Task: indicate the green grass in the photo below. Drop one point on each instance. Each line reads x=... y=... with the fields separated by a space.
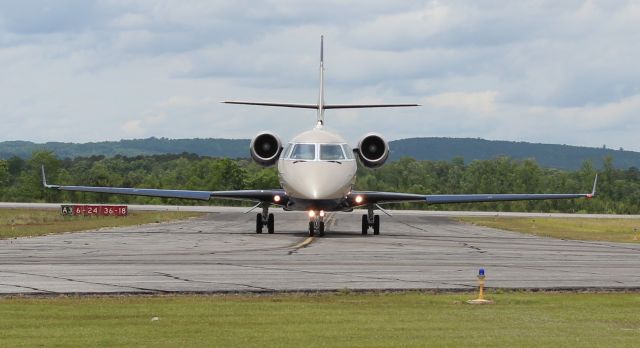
x=29 y=222
x=612 y=230
x=331 y=320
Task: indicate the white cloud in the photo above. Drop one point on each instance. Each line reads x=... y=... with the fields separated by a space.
x=543 y=71
x=133 y=128
x=483 y=102
x=406 y=29
x=130 y=21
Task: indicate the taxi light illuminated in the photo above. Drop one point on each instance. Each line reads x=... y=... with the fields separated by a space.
x=321 y=213
x=312 y=213
x=276 y=198
x=359 y=199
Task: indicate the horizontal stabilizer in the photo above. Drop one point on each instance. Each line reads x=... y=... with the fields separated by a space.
x=362 y=106
x=282 y=105
x=326 y=106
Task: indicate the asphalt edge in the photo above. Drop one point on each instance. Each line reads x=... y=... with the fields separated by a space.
x=310 y=292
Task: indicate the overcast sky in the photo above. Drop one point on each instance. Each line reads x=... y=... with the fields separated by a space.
x=563 y=72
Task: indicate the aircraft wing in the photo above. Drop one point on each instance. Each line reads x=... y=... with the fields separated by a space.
x=372 y=197
x=244 y=195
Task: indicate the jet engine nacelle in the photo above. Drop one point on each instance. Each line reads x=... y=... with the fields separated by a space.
x=266 y=148
x=372 y=150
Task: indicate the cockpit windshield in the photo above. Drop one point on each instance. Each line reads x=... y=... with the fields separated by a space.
x=303 y=152
x=325 y=152
x=331 y=152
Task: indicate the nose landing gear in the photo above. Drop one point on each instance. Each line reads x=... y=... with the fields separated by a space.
x=265 y=219
x=370 y=220
x=316 y=223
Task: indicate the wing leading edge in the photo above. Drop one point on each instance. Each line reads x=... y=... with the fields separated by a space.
x=244 y=195
x=359 y=198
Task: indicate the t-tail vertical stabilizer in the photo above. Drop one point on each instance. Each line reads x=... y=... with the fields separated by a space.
x=320 y=106
x=321 y=92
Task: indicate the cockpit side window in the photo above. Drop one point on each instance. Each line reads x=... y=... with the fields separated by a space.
x=287 y=150
x=348 y=151
x=331 y=152
x=303 y=152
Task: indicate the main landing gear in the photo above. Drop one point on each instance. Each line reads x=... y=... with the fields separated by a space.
x=316 y=223
x=265 y=219
x=370 y=220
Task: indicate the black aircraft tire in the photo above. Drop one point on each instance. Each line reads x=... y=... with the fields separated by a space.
x=321 y=232
x=376 y=225
x=271 y=222
x=365 y=225
x=259 y=223
x=311 y=228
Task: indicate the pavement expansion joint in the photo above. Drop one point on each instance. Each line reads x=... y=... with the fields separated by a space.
x=475 y=248
x=83 y=281
x=171 y=276
x=338 y=274
x=29 y=288
x=167 y=275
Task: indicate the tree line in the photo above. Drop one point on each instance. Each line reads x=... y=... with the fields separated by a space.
x=618 y=189
x=431 y=149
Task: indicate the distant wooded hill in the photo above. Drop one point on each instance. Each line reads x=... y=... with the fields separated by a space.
x=547 y=155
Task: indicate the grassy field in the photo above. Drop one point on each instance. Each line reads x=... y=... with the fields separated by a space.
x=30 y=222
x=613 y=230
x=330 y=320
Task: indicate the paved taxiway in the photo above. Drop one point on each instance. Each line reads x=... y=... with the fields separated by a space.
x=220 y=253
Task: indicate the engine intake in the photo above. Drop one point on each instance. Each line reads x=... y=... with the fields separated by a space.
x=265 y=148
x=373 y=150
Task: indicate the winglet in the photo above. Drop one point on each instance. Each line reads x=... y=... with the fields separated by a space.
x=593 y=191
x=44 y=180
x=44 y=177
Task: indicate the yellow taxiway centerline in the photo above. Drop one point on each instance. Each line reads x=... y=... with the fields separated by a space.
x=304 y=243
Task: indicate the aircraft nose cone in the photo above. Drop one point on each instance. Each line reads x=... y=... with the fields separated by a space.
x=321 y=184
x=318 y=180
x=326 y=188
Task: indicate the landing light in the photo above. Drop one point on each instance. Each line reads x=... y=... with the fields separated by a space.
x=321 y=213
x=312 y=213
x=276 y=198
x=359 y=199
